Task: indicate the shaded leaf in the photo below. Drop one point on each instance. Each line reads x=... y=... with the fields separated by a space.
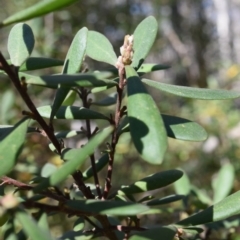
x=71 y=235
x=100 y=49
x=36 y=10
x=99 y=165
x=226 y=208
x=68 y=134
x=144 y=37
x=69 y=80
x=202 y=195
x=30 y=227
x=166 y=233
x=154 y=181
x=190 y=92
x=165 y=200
x=118 y=208
x=71 y=112
x=75 y=158
x=223 y=182
x=11 y=145
x=20 y=43
x=107 y=101
x=79 y=224
x=146 y=125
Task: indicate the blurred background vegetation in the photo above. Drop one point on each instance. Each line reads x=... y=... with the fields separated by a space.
x=199 y=39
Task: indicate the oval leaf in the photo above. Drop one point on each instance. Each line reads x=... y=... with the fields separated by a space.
x=183 y=129
x=144 y=37
x=73 y=80
x=79 y=224
x=30 y=227
x=20 y=43
x=183 y=185
x=11 y=143
x=100 y=49
x=75 y=158
x=166 y=233
x=223 y=182
x=146 y=125
x=190 y=92
x=154 y=181
x=71 y=112
x=118 y=208
x=36 y=10
x=226 y=208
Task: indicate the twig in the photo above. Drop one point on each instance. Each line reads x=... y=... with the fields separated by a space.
x=12 y=72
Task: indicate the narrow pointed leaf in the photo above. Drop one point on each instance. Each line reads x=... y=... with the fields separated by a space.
x=100 y=49
x=155 y=181
x=226 y=208
x=70 y=98
x=20 y=43
x=11 y=144
x=72 y=80
x=118 y=208
x=166 y=233
x=99 y=165
x=223 y=183
x=107 y=101
x=30 y=227
x=146 y=124
x=144 y=37
x=183 y=129
x=36 y=10
x=71 y=112
x=151 y=67
x=165 y=200
x=75 y=158
x=183 y=185
x=72 y=235
x=190 y=92
x=68 y=134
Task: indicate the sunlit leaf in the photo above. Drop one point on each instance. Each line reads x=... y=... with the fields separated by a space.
x=222 y=184
x=190 y=92
x=151 y=67
x=118 y=208
x=71 y=112
x=144 y=37
x=100 y=49
x=183 y=185
x=165 y=200
x=11 y=145
x=36 y=10
x=20 y=43
x=166 y=233
x=68 y=134
x=146 y=124
x=154 y=181
x=75 y=158
x=30 y=227
x=226 y=208
x=79 y=224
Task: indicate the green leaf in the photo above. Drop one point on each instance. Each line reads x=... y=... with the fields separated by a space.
x=100 y=49
x=68 y=134
x=30 y=227
x=190 y=92
x=226 y=208
x=79 y=224
x=144 y=37
x=107 y=101
x=146 y=124
x=70 y=98
x=151 y=67
x=71 y=235
x=165 y=200
x=99 y=165
x=72 y=65
x=166 y=233
x=154 y=181
x=36 y=10
x=35 y=63
x=118 y=208
x=75 y=158
x=183 y=129
x=20 y=43
x=72 y=80
x=183 y=185
x=223 y=182
x=71 y=112
x=48 y=169
x=11 y=145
